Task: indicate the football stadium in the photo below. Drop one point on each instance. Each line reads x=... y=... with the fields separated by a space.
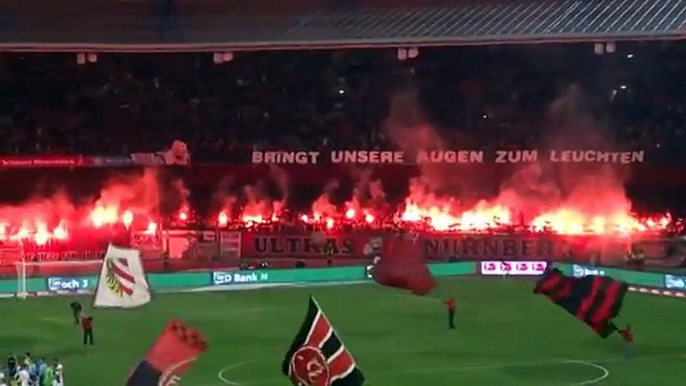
x=343 y=193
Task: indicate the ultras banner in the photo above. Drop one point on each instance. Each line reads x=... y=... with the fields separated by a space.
x=447 y=247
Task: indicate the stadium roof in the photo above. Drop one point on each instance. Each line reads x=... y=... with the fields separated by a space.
x=133 y=27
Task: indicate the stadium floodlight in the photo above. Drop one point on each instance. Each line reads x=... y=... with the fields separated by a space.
x=227 y=57
x=610 y=47
x=599 y=48
x=413 y=53
x=222 y=57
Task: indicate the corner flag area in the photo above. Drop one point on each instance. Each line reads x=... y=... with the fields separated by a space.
x=505 y=336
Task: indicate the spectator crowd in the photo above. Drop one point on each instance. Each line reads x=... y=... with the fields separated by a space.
x=475 y=97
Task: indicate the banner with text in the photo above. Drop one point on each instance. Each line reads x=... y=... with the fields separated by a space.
x=274 y=245
x=441 y=247
x=129 y=160
x=399 y=157
x=450 y=247
x=513 y=268
x=521 y=247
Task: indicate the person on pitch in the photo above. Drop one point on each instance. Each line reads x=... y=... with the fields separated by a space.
x=628 y=338
x=12 y=364
x=48 y=377
x=451 y=305
x=76 y=309
x=23 y=378
x=58 y=378
x=87 y=326
x=54 y=375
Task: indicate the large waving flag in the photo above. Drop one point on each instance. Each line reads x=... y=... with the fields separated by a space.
x=317 y=357
x=402 y=266
x=595 y=300
x=169 y=357
x=122 y=281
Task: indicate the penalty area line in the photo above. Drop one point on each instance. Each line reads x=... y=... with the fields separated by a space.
x=222 y=377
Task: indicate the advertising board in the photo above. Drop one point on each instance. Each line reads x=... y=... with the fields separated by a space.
x=645 y=279
x=513 y=268
x=70 y=284
x=239 y=277
x=579 y=271
x=675 y=282
x=198 y=280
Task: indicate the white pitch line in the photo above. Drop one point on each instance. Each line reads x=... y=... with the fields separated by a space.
x=221 y=372
x=560 y=361
x=605 y=371
x=168 y=375
x=480 y=368
x=453 y=369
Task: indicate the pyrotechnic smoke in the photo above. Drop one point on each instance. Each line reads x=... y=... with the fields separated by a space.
x=568 y=198
x=223 y=199
x=323 y=206
x=376 y=191
x=283 y=182
x=130 y=191
x=259 y=206
x=570 y=194
x=366 y=194
x=407 y=127
x=49 y=211
x=180 y=188
x=252 y=203
x=44 y=218
x=529 y=191
x=440 y=187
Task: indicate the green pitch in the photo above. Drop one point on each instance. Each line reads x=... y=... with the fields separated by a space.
x=505 y=336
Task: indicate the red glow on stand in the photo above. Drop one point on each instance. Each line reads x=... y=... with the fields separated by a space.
x=222 y=219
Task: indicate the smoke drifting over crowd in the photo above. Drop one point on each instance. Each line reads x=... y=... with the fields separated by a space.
x=538 y=197
x=126 y=201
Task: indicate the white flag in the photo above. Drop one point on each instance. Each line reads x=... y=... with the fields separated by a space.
x=122 y=281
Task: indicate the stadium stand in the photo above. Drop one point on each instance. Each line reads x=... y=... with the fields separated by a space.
x=52 y=105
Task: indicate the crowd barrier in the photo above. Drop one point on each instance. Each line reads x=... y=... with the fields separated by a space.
x=664 y=284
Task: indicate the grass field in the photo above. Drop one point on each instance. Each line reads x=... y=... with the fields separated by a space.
x=505 y=336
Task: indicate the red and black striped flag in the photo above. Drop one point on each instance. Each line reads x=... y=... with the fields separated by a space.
x=595 y=300
x=317 y=356
x=169 y=357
